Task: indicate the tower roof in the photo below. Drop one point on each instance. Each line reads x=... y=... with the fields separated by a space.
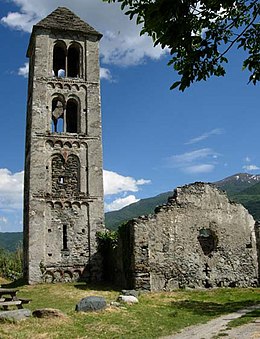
x=64 y=19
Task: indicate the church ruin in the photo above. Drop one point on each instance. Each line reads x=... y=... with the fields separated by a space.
x=63 y=195
x=198 y=239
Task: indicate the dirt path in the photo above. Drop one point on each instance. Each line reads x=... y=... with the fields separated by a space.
x=217 y=328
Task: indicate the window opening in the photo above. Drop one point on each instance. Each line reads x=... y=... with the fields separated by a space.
x=72 y=116
x=61 y=180
x=65 y=237
x=208 y=240
x=57 y=116
x=59 y=60
x=73 y=61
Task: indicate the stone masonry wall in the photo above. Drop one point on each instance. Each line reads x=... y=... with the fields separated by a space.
x=198 y=239
x=63 y=194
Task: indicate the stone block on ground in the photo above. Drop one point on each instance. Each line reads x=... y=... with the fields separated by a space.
x=15 y=315
x=128 y=299
x=93 y=303
x=131 y=292
x=48 y=313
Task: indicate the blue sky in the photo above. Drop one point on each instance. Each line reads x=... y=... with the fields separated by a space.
x=154 y=139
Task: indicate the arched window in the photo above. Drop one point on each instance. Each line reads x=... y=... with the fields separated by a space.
x=74 y=61
x=57 y=115
x=72 y=116
x=59 y=59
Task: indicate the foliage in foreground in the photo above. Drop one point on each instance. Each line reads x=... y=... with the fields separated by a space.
x=199 y=34
x=157 y=314
x=11 y=264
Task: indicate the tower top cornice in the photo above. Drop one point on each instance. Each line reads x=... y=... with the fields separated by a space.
x=63 y=18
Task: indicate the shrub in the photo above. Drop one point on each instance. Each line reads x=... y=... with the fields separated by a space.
x=11 y=264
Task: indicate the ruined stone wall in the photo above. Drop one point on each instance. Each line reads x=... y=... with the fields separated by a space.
x=198 y=239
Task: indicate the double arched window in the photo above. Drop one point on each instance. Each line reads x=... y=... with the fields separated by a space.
x=65 y=115
x=67 y=61
x=65 y=175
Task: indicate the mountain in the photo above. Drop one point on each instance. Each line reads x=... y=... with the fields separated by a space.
x=241 y=187
x=142 y=207
x=238 y=182
x=9 y=241
x=245 y=189
x=251 y=190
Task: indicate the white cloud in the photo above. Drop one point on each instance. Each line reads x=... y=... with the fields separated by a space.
x=24 y=70
x=121 y=43
x=19 y=21
x=115 y=183
x=202 y=168
x=206 y=135
x=11 y=189
x=251 y=168
x=189 y=157
x=3 y=220
x=247 y=159
x=194 y=162
x=105 y=74
x=119 y=203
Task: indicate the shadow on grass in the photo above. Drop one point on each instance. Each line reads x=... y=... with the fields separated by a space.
x=253 y=314
x=210 y=308
x=96 y=286
x=14 y=284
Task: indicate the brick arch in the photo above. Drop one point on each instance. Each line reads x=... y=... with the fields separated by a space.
x=75 y=87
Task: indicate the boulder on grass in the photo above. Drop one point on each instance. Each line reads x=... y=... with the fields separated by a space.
x=48 y=313
x=15 y=315
x=90 y=304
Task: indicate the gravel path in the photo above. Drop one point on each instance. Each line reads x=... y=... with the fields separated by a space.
x=217 y=328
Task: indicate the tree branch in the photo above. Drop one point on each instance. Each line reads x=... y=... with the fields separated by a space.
x=238 y=36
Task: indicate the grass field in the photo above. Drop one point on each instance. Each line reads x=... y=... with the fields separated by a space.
x=157 y=314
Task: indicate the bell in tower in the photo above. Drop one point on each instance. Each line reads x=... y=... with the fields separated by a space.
x=63 y=194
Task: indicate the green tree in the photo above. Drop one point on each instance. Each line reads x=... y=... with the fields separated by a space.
x=199 y=34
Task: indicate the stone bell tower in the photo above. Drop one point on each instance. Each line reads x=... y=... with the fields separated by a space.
x=63 y=194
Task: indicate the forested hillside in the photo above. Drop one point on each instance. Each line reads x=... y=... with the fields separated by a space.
x=241 y=187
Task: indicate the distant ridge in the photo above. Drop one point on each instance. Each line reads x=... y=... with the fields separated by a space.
x=142 y=207
x=10 y=240
x=238 y=182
